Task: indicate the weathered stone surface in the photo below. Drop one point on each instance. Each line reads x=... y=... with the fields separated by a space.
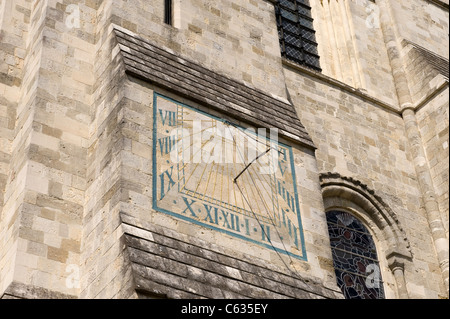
x=165 y=69
x=76 y=143
x=18 y=290
x=162 y=263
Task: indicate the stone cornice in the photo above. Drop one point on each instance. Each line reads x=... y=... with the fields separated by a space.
x=345 y=87
x=443 y=83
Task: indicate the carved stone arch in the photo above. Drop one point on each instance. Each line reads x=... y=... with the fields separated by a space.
x=348 y=194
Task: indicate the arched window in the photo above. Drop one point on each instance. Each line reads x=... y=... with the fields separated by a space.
x=354 y=257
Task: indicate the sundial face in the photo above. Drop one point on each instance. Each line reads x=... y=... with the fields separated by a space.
x=212 y=173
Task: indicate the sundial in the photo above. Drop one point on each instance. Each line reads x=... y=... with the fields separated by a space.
x=218 y=175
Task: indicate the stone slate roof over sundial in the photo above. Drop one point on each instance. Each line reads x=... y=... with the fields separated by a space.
x=188 y=79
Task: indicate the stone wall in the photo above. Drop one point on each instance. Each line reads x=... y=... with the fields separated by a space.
x=351 y=46
x=45 y=194
x=121 y=174
x=433 y=123
x=13 y=92
x=359 y=139
x=235 y=38
x=136 y=195
x=424 y=23
x=76 y=144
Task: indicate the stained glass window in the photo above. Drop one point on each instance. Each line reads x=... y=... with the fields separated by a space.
x=355 y=257
x=296 y=32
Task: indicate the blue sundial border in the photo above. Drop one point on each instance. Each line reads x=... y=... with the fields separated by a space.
x=303 y=255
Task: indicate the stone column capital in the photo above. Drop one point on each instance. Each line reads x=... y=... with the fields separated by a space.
x=396 y=261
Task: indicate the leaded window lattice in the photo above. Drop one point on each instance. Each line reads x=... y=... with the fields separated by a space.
x=354 y=257
x=296 y=33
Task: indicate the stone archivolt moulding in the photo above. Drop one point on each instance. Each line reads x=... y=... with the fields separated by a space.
x=349 y=194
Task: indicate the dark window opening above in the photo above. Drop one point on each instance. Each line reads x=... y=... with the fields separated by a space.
x=296 y=33
x=168 y=11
